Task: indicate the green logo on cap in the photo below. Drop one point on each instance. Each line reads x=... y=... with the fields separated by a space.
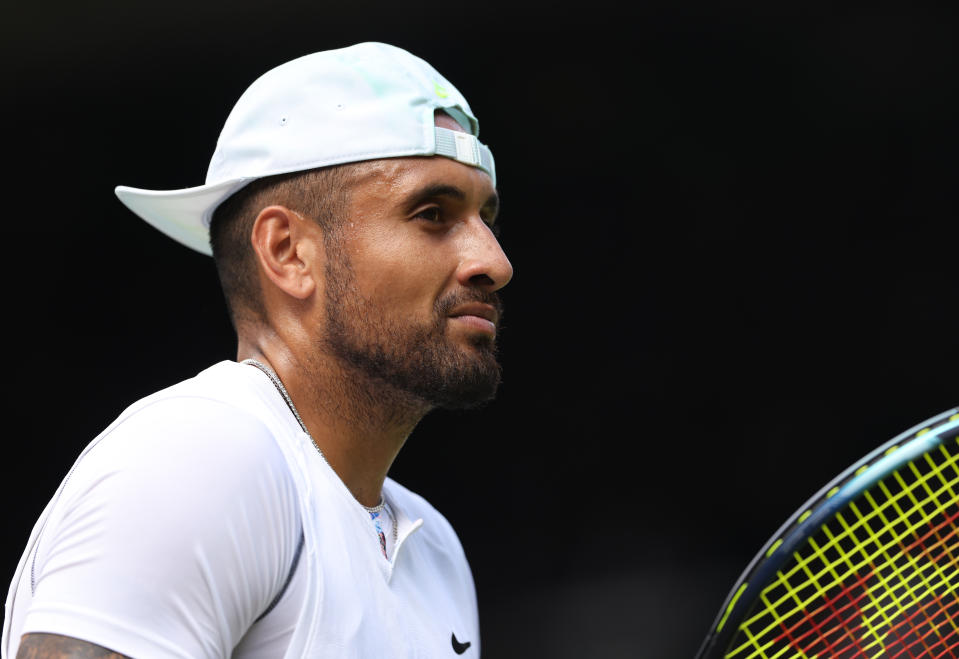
x=440 y=90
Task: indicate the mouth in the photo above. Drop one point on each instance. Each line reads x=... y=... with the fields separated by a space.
x=477 y=316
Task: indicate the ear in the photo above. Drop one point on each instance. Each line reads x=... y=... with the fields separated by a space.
x=287 y=248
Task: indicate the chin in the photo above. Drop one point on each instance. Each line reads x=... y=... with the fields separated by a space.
x=468 y=387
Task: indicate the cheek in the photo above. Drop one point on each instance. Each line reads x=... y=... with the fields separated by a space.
x=404 y=276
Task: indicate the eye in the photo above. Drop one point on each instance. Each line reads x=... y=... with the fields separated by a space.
x=431 y=214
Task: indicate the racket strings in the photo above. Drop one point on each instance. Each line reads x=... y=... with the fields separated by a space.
x=878 y=580
x=886 y=582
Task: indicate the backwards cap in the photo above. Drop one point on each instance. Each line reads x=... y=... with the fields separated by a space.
x=363 y=102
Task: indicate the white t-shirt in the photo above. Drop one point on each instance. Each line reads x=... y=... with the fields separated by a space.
x=204 y=523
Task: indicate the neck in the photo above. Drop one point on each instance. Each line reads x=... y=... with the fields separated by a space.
x=358 y=424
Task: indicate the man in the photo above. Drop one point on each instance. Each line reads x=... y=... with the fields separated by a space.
x=247 y=512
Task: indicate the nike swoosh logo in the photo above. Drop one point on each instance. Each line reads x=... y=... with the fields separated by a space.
x=459 y=648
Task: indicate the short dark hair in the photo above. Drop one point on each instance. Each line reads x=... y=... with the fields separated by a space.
x=319 y=194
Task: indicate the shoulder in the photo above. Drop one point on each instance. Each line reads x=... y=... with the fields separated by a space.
x=204 y=418
x=183 y=420
x=185 y=501
x=222 y=385
x=185 y=457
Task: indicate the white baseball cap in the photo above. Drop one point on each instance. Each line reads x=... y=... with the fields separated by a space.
x=364 y=102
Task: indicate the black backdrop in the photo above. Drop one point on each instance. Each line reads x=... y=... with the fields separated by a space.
x=733 y=229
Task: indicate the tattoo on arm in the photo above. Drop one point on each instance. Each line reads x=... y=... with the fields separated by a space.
x=54 y=646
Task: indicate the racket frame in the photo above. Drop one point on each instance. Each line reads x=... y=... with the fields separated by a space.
x=807 y=520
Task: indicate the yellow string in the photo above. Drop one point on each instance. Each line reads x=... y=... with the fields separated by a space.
x=866 y=539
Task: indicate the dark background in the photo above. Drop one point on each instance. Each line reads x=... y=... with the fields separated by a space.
x=734 y=232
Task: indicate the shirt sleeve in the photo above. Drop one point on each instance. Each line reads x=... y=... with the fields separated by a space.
x=171 y=536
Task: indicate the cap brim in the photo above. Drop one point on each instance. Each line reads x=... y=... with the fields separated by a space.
x=184 y=215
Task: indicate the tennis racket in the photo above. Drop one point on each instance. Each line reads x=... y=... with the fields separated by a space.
x=868 y=567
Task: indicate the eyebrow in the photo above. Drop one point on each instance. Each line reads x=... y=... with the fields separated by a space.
x=435 y=190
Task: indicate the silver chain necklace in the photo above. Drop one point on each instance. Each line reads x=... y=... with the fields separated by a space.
x=275 y=379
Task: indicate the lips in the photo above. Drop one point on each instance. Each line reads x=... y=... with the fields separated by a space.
x=477 y=309
x=477 y=318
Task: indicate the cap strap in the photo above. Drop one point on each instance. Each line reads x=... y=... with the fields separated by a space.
x=466 y=149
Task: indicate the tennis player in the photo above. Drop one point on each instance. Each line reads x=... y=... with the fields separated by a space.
x=247 y=512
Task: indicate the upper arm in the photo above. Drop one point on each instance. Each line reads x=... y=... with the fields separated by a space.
x=54 y=646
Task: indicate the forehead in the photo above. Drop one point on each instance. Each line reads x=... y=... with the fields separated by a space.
x=395 y=178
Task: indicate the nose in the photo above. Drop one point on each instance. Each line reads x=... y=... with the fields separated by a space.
x=484 y=263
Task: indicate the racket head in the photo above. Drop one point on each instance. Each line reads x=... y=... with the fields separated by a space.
x=828 y=543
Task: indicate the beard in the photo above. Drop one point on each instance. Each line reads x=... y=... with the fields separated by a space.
x=419 y=361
